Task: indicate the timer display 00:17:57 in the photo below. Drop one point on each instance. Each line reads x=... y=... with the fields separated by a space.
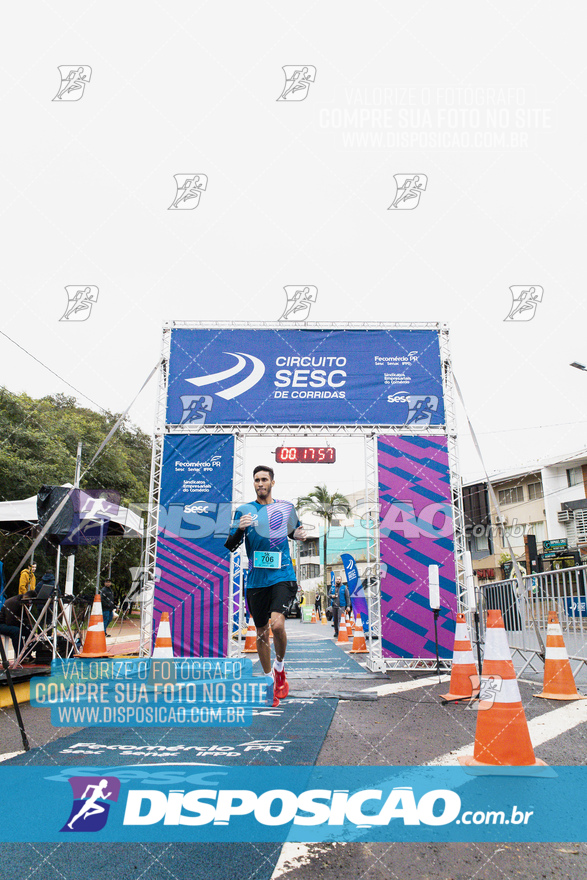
x=305 y=454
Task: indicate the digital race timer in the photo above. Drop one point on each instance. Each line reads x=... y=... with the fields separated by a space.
x=305 y=454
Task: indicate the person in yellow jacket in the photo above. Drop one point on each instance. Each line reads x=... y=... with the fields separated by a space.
x=27 y=579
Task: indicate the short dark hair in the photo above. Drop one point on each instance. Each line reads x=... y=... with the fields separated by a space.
x=263 y=467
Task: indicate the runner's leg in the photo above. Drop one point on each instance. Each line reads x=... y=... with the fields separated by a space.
x=264 y=648
x=279 y=635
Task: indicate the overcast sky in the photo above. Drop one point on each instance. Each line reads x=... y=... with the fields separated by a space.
x=298 y=193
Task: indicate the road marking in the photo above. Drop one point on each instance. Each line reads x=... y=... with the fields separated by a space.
x=292 y=856
x=399 y=687
x=7 y=755
x=542 y=729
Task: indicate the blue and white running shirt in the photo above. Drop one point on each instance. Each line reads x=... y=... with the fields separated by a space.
x=272 y=523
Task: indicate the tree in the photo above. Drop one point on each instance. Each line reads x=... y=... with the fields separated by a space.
x=323 y=504
x=38 y=447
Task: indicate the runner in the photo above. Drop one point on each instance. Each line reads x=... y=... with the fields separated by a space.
x=266 y=524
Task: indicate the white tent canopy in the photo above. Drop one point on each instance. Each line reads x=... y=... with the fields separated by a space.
x=17 y=515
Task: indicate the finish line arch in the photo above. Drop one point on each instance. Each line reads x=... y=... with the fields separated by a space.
x=390 y=384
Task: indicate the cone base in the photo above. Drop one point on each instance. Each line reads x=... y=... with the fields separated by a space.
x=249 y=650
x=449 y=697
x=92 y=654
x=359 y=651
x=504 y=769
x=567 y=697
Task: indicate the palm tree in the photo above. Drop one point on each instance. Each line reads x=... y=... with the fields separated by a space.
x=323 y=504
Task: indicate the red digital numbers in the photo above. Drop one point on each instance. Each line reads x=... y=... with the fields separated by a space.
x=306 y=454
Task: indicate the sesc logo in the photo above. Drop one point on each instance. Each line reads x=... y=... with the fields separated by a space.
x=398 y=398
x=196 y=507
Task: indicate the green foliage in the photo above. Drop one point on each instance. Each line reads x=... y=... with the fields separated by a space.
x=326 y=505
x=38 y=446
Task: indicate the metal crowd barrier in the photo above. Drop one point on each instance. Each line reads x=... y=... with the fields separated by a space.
x=526 y=616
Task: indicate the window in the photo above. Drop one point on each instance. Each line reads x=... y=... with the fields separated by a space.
x=309 y=571
x=511 y=496
x=574 y=476
x=309 y=548
x=535 y=491
x=537 y=529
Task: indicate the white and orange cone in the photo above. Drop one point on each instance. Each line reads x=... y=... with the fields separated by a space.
x=359 y=643
x=251 y=640
x=349 y=628
x=559 y=683
x=502 y=737
x=95 y=640
x=163 y=645
x=314 y=619
x=464 y=677
x=343 y=636
x=324 y=620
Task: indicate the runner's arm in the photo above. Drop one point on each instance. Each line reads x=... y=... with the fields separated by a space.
x=236 y=535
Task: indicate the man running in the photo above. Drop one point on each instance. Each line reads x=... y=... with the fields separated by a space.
x=266 y=524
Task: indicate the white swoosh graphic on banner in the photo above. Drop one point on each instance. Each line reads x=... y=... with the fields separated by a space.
x=256 y=375
x=241 y=387
x=225 y=374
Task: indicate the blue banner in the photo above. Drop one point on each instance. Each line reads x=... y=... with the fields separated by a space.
x=174 y=802
x=192 y=561
x=305 y=376
x=355 y=588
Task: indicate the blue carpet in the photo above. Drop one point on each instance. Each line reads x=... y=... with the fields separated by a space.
x=291 y=734
x=322 y=656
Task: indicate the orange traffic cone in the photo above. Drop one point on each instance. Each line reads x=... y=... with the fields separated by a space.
x=343 y=636
x=559 y=683
x=502 y=737
x=464 y=678
x=163 y=646
x=251 y=640
x=359 y=643
x=349 y=628
x=95 y=641
x=314 y=620
x=324 y=620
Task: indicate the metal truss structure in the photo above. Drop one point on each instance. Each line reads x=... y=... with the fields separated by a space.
x=375 y=660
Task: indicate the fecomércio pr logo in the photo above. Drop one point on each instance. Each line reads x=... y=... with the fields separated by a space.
x=92 y=798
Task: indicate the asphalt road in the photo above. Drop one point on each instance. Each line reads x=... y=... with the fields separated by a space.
x=412 y=727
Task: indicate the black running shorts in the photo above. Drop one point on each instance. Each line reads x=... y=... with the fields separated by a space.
x=263 y=600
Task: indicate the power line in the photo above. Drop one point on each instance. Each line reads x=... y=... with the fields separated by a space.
x=61 y=379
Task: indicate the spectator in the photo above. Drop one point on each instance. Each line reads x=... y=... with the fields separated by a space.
x=27 y=580
x=108 y=604
x=339 y=598
x=11 y=623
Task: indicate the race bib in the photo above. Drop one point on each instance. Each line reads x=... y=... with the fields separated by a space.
x=266 y=559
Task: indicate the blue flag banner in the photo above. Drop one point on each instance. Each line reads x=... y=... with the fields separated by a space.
x=355 y=587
